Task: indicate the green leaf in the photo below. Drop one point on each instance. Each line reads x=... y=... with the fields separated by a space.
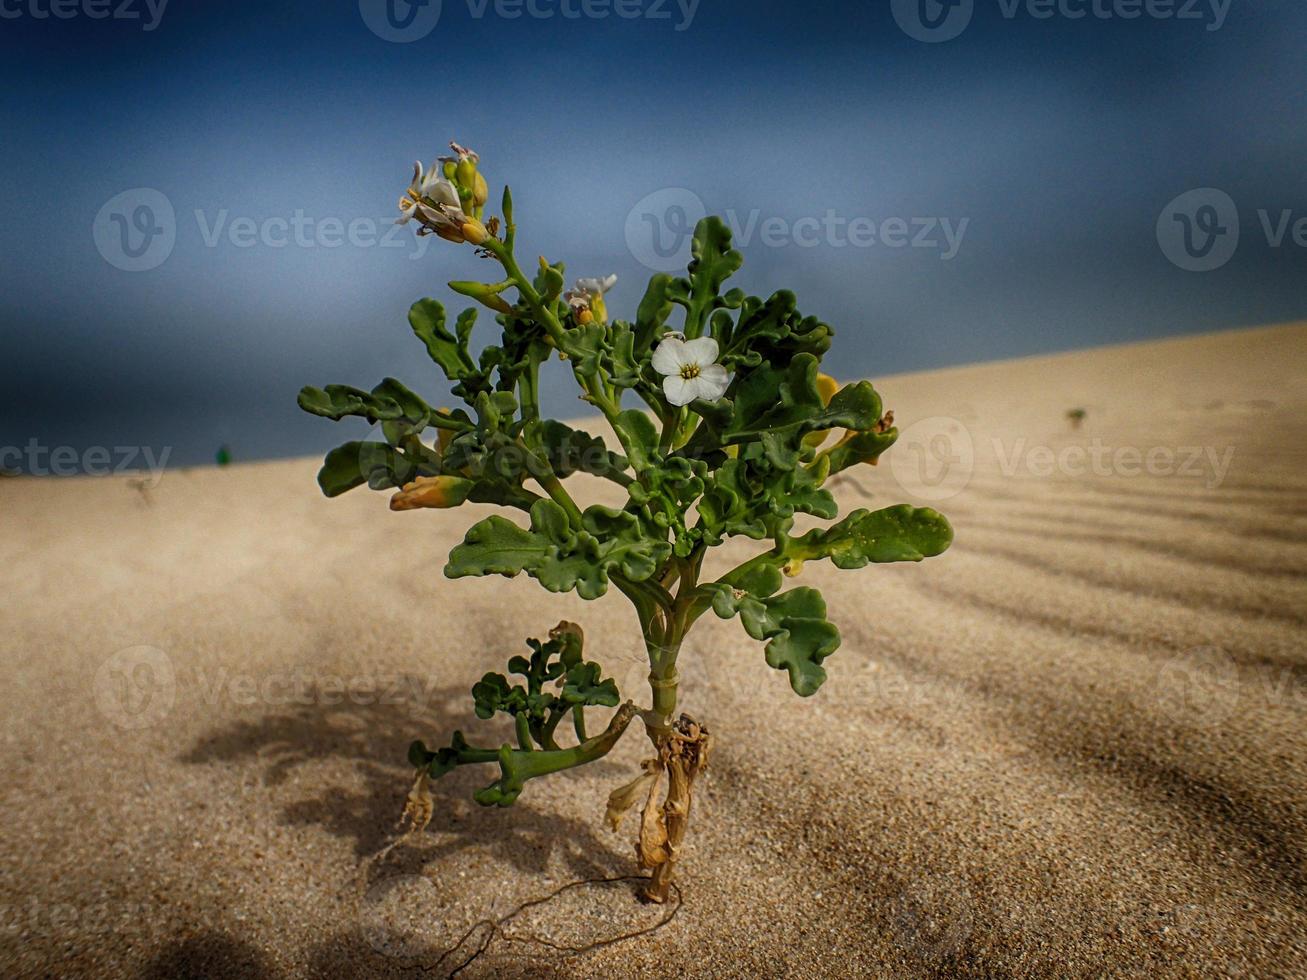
x=621 y=542
x=623 y=363
x=427 y=318
x=773 y=331
x=861 y=447
x=374 y=463
x=733 y=503
x=794 y=624
x=571 y=451
x=583 y=686
x=418 y=756
x=575 y=561
x=493 y=693
x=900 y=533
x=497 y=546
x=652 y=313
x=549 y=282
x=584 y=346
x=336 y=402
x=713 y=261
x=415 y=413
x=778 y=407
x=641 y=437
x=560 y=557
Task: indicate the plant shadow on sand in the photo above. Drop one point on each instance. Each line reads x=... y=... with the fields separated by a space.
x=374 y=737
x=372 y=740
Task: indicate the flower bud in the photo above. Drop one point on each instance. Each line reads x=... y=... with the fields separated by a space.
x=475 y=232
x=826 y=388
x=483 y=293
x=465 y=173
x=480 y=191
x=438 y=492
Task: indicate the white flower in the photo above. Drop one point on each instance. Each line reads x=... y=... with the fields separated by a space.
x=586 y=291
x=690 y=369
x=433 y=200
x=463 y=154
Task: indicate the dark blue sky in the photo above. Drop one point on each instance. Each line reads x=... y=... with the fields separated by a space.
x=1050 y=146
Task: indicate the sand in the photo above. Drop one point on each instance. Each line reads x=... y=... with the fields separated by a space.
x=1072 y=747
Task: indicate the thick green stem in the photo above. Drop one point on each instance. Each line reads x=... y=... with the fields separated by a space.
x=663 y=684
x=558 y=493
x=596 y=389
x=519 y=765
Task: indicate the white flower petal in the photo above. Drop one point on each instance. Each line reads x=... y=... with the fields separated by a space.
x=701 y=351
x=679 y=391
x=704 y=389
x=444 y=192
x=429 y=180
x=669 y=355
x=713 y=381
x=609 y=282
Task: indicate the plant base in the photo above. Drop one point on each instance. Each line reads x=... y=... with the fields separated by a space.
x=682 y=755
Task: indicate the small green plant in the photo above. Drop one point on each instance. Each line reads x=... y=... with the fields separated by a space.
x=735 y=437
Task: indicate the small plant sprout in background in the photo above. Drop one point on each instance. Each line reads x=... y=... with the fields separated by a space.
x=736 y=433
x=1076 y=417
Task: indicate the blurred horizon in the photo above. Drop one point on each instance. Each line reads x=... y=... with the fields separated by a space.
x=1031 y=185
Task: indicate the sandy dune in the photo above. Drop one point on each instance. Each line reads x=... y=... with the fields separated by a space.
x=1076 y=745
